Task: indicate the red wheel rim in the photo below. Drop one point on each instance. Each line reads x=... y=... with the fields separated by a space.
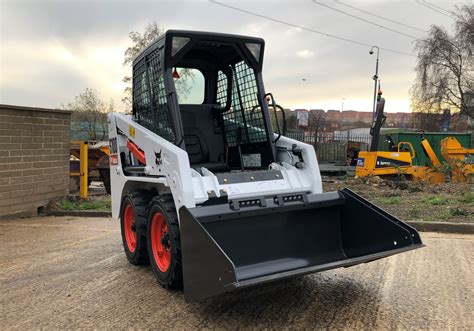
x=129 y=227
x=160 y=242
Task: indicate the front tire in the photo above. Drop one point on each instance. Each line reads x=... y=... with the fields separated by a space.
x=133 y=219
x=164 y=247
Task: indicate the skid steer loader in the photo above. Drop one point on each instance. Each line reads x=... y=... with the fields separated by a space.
x=211 y=196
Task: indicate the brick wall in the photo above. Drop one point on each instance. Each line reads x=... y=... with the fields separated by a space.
x=34 y=158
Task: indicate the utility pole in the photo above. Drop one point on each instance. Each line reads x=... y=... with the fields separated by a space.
x=375 y=78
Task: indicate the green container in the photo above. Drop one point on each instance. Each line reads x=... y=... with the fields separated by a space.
x=415 y=139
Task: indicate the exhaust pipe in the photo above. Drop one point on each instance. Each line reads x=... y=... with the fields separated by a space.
x=246 y=243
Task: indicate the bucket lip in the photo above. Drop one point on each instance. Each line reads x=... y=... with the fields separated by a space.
x=322 y=267
x=220 y=212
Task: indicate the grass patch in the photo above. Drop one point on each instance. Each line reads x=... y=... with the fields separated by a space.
x=66 y=204
x=389 y=200
x=458 y=212
x=467 y=198
x=414 y=212
x=435 y=201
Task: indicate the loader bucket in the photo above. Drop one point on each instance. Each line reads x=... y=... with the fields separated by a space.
x=245 y=243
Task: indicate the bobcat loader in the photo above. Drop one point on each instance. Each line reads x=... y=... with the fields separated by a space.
x=211 y=196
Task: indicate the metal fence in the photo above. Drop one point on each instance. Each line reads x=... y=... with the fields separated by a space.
x=329 y=137
x=334 y=147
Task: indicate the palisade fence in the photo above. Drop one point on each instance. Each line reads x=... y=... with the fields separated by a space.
x=334 y=147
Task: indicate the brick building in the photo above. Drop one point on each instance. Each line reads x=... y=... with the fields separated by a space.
x=34 y=158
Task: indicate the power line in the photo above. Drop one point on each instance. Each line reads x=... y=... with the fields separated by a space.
x=306 y=29
x=379 y=16
x=435 y=6
x=364 y=20
x=432 y=8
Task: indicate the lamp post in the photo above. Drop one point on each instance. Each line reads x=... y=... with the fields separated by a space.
x=340 y=118
x=375 y=78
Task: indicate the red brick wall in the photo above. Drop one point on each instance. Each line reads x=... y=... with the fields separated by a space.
x=34 y=158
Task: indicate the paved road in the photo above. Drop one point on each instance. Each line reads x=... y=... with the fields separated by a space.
x=66 y=272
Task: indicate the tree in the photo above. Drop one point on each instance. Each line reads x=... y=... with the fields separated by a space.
x=139 y=42
x=445 y=66
x=90 y=114
x=316 y=123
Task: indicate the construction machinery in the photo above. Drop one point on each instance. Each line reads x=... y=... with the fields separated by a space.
x=398 y=161
x=89 y=162
x=211 y=196
x=460 y=159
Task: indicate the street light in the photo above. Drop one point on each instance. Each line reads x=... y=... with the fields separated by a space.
x=340 y=118
x=375 y=78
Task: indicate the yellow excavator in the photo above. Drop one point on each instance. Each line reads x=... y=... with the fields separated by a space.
x=460 y=159
x=399 y=160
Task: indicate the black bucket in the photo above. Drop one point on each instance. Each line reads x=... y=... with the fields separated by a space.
x=244 y=243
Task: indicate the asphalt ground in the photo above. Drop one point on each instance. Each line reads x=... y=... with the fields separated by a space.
x=71 y=272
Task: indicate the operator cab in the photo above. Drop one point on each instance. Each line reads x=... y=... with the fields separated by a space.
x=204 y=92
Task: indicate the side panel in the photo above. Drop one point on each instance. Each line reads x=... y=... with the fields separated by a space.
x=167 y=163
x=367 y=229
x=207 y=270
x=311 y=169
x=382 y=163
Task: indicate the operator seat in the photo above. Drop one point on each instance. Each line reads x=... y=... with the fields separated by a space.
x=204 y=146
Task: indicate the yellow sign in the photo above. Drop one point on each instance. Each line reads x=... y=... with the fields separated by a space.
x=131 y=131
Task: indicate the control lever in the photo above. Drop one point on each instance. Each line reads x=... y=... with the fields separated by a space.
x=298 y=151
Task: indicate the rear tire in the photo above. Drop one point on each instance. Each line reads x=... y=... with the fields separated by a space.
x=133 y=218
x=164 y=246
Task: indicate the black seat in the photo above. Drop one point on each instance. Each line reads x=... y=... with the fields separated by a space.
x=205 y=148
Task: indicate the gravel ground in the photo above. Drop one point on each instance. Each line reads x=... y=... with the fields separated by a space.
x=66 y=272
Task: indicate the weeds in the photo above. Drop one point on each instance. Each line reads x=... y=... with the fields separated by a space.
x=467 y=198
x=389 y=200
x=66 y=204
x=435 y=201
x=414 y=213
x=458 y=212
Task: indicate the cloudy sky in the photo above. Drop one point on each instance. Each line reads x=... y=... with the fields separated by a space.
x=52 y=50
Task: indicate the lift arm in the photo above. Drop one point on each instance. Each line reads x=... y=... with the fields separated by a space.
x=377 y=125
x=425 y=144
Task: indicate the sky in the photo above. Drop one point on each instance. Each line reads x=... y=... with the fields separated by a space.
x=50 y=51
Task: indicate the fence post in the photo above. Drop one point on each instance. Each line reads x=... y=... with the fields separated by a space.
x=83 y=165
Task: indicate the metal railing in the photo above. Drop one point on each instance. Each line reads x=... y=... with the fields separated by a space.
x=334 y=147
x=314 y=139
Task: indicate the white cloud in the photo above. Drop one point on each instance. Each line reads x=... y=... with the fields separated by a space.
x=87 y=64
x=292 y=31
x=305 y=54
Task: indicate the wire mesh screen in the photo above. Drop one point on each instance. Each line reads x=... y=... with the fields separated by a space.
x=243 y=122
x=149 y=97
x=221 y=88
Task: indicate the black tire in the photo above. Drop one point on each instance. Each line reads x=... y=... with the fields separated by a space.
x=138 y=200
x=172 y=277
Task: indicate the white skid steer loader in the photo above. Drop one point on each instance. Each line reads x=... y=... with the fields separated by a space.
x=212 y=197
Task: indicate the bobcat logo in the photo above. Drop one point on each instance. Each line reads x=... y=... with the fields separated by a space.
x=158 y=160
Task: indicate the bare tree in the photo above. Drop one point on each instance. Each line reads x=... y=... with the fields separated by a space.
x=316 y=122
x=445 y=66
x=90 y=114
x=139 y=42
